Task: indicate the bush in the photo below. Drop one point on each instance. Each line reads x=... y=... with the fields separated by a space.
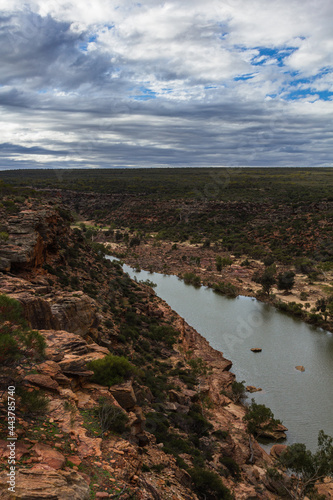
x=165 y=334
x=111 y=370
x=226 y=289
x=231 y=465
x=3 y=236
x=208 y=483
x=32 y=403
x=111 y=418
x=192 y=279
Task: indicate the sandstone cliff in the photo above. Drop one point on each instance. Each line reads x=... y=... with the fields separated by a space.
x=178 y=420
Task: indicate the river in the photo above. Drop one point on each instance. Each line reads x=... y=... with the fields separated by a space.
x=302 y=400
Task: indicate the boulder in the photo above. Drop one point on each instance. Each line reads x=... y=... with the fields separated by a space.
x=44 y=483
x=20 y=449
x=124 y=394
x=4 y=264
x=300 y=368
x=49 y=456
x=252 y=388
x=44 y=381
x=277 y=450
x=75 y=312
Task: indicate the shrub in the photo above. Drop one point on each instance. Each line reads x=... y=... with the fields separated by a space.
x=231 y=465
x=226 y=289
x=111 y=418
x=111 y=370
x=3 y=236
x=192 y=279
x=32 y=403
x=208 y=483
x=219 y=434
x=165 y=334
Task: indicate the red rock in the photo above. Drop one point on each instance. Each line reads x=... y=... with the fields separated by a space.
x=44 y=381
x=49 y=456
x=277 y=450
x=74 y=459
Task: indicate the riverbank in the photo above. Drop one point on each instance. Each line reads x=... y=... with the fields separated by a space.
x=180 y=259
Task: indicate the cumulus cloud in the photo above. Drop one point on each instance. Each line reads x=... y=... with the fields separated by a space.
x=182 y=82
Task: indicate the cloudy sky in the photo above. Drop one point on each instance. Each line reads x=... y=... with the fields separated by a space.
x=105 y=83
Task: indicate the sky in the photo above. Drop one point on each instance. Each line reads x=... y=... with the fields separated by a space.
x=195 y=83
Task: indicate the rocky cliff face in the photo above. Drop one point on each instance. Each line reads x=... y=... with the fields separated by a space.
x=32 y=234
x=177 y=420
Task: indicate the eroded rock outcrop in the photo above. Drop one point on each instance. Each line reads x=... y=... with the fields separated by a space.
x=32 y=234
x=45 y=483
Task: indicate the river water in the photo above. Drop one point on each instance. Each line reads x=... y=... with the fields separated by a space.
x=302 y=400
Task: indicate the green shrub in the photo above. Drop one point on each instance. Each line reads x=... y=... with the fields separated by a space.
x=225 y=289
x=219 y=434
x=163 y=333
x=32 y=403
x=231 y=465
x=192 y=279
x=208 y=483
x=3 y=236
x=111 y=370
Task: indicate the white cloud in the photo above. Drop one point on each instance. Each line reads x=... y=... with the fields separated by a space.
x=166 y=82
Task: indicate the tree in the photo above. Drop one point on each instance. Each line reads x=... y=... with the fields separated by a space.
x=221 y=262
x=286 y=281
x=260 y=419
x=307 y=467
x=267 y=279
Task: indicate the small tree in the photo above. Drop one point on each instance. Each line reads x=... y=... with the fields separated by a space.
x=267 y=279
x=286 y=281
x=307 y=467
x=238 y=391
x=260 y=419
x=221 y=262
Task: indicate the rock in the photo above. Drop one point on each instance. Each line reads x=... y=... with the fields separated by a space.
x=32 y=234
x=277 y=450
x=124 y=394
x=278 y=432
x=44 y=483
x=252 y=388
x=256 y=349
x=300 y=368
x=325 y=488
x=20 y=449
x=4 y=264
x=75 y=312
x=44 y=381
x=49 y=456
x=170 y=406
x=71 y=352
